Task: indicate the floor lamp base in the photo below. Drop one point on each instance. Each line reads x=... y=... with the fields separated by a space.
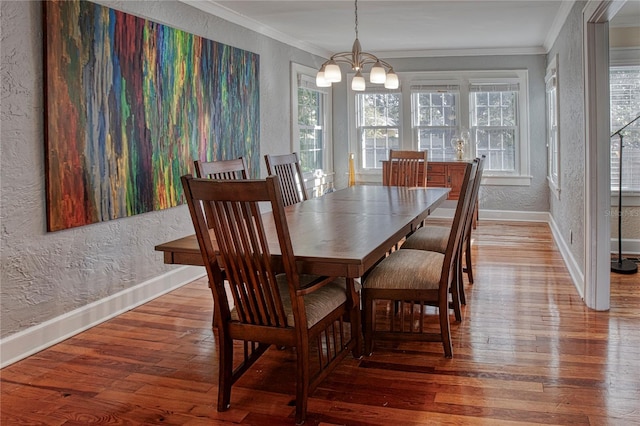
x=624 y=266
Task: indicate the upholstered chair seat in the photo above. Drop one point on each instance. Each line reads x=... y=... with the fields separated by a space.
x=408 y=269
x=430 y=238
x=317 y=304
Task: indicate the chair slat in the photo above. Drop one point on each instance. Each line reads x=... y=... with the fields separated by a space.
x=407 y=168
x=222 y=169
x=287 y=168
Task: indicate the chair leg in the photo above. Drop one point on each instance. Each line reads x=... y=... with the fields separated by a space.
x=468 y=259
x=463 y=298
x=455 y=290
x=302 y=381
x=368 y=323
x=225 y=372
x=445 y=330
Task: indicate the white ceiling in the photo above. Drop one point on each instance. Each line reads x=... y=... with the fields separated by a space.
x=407 y=28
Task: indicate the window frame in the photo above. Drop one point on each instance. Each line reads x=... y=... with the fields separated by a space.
x=449 y=131
x=522 y=175
x=553 y=126
x=624 y=57
x=366 y=174
x=298 y=73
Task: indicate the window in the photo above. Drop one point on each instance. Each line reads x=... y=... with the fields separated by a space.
x=553 y=151
x=378 y=123
x=310 y=128
x=431 y=107
x=434 y=119
x=625 y=105
x=494 y=124
x=311 y=112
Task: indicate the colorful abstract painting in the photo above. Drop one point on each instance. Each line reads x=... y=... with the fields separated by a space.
x=130 y=104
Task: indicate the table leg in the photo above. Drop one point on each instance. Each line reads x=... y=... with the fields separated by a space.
x=356 y=328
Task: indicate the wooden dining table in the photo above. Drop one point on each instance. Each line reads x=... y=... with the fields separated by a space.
x=343 y=233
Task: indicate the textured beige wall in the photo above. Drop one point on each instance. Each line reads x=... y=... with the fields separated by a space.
x=630 y=223
x=46 y=275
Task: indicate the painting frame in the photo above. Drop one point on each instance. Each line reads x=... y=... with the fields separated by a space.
x=130 y=104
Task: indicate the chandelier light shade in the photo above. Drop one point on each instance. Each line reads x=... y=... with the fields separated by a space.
x=381 y=72
x=358 y=83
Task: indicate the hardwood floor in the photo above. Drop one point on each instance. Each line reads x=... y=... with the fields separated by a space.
x=528 y=351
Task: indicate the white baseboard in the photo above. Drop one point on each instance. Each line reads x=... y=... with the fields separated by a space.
x=628 y=246
x=577 y=276
x=34 y=339
x=513 y=216
x=519 y=216
x=503 y=215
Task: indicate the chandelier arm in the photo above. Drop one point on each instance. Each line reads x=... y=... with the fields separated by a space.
x=368 y=58
x=342 y=56
x=386 y=64
x=365 y=58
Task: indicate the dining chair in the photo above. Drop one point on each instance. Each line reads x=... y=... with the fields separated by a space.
x=435 y=238
x=270 y=302
x=222 y=169
x=287 y=168
x=407 y=168
x=416 y=279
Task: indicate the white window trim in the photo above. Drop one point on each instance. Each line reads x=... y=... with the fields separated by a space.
x=462 y=79
x=622 y=57
x=552 y=78
x=369 y=175
x=296 y=70
x=444 y=88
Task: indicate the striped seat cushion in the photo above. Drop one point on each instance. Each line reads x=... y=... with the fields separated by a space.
x=318 y=304
x=431 y=238
x=407 y=269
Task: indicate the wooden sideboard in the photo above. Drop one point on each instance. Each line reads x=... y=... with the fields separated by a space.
x=442 y=174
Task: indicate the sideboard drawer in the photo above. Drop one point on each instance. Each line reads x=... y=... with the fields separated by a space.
x=435 y=180
x=435 y=169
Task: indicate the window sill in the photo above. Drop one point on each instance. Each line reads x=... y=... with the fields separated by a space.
x=375 y=176
x=555 y=190
x=629 y=199
x=507 y=180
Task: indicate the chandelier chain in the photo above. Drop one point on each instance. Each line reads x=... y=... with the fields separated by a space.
x=356 y=12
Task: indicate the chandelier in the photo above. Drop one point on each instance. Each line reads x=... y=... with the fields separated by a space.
x=381 y=72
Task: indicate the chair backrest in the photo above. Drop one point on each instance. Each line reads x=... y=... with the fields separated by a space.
x=407 y=168
x=287 y=168
x=239 y=245
x=468 y=223
x=223 y=169
x=459 y=218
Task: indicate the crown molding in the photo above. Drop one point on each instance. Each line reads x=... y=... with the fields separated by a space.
x=213 y=8
x=558 y=22
x=432 y=53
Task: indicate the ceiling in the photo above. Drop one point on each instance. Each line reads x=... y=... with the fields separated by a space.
x=408 y=28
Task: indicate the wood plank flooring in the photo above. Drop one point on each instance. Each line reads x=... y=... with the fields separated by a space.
x=528 y=351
